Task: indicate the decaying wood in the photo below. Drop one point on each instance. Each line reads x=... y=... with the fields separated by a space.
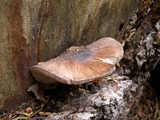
x=142 y=51
x=112 y=101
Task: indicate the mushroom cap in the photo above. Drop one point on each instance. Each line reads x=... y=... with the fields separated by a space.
x=79 y=65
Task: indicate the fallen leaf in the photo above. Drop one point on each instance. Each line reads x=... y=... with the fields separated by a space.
x=37 y=90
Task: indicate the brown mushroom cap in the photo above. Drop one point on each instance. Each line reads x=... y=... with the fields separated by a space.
x=79 y=65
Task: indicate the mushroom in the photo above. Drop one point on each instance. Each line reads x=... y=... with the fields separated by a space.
x=80 y=65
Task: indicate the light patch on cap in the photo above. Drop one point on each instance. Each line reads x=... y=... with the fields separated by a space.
x=111 y=60
x=69 y=75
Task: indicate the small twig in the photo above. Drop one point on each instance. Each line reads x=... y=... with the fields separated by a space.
x=36 y=112
x=37 y=118
x=4 y=115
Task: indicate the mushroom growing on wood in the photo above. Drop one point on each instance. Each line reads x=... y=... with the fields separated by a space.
x=80 y=65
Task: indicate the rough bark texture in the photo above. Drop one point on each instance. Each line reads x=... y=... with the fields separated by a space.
x=142 y=50
x=111 y=102
x=33 y=31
